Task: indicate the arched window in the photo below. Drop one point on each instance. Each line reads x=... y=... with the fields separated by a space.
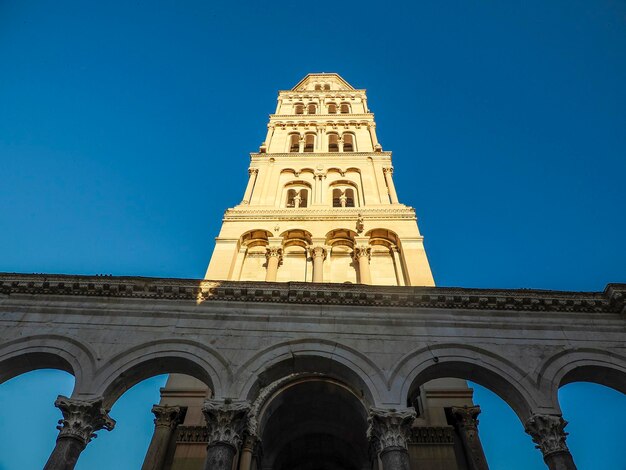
x=311 y=109
x=297 y=197
x=332 y=108
x=318 y=87
x=348 y=143
x=345 y=108
x=309 y=142
x=294 y=143
x=299 y=108
x=344 y=195
x=333 y=143
x=327 y=87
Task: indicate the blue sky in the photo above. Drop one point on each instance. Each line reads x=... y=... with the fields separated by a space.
x=507 y=121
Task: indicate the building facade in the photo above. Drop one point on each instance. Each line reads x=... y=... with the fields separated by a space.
x=321 y=206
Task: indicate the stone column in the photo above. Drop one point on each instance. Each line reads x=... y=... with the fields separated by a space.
x=397 y=264
x=467 y=426
x=372 y=128
x=81 y=420
x=247 y=452
x=225 y=426
x=273 y=255
x=165 y=421
x=318 y=254
x=390 y=186
x=388 y=432
x=362 y=256
x=252 y=174
x=548 y=432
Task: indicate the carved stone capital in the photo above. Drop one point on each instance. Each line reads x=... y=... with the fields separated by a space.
x=388 y=170
x=389 y=428
x=167 y=416
x=226 y=422
x=466 y=416
x=362 y=251
x=274 y=252
x=252 y=171
x=548 y=433
x=318 y=252
x=82 y=418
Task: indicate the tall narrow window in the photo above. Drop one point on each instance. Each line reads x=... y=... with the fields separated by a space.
x=299 y=108
x=345 y=108
x=309 y=143
x=348 y=143
x=311 y=108
x=332 y=108
x=349 y=194
x=291 y=198
x=333 y=143
x=304 y=197
x=337 y=197
x=294 y=143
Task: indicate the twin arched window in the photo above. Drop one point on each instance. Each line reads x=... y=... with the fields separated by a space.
x=294 y=143
x=332 y=108
x=297 y=197
x=343 y=197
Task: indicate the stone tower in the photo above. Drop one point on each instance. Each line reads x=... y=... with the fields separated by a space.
x=320 y=205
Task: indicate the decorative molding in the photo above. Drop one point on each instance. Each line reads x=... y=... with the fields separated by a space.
x=466 y=416
x=432 y=435
x=309 y=293
x=317 y=251
x=82 y=418
x=548 y=433
x=192 y=435
x=226 y=422
x=362 y=251
x=389 y=428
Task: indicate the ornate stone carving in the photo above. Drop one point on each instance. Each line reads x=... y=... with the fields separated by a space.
x=432 y=435
x=360 y=225
x=82 y=418
x=466 y=416
x=274 y=252
x=318 y=252
x=548 y=433
x=226 y=422
x=389 y=428
x=252 y=171
x=167 y=416
x=388 y=170
x=362 y=251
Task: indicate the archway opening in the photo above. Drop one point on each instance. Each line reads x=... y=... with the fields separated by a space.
x=313 y=424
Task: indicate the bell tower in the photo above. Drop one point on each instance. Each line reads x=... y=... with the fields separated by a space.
x=320 y=204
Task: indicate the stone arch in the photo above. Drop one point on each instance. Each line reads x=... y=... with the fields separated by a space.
x=485 y=368
x=48 y=352
x=128 y=368
x=582 y=365
x=310 y=356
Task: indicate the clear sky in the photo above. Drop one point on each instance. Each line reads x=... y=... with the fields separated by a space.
x=120 y=120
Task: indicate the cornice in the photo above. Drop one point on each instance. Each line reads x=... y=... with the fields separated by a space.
x=339 y=117
x=391 y=212
x=609 y=301
x=323 y=92
x=331 y=155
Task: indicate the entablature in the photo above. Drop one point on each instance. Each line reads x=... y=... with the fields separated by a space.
x=610 y=301
x=245 y=212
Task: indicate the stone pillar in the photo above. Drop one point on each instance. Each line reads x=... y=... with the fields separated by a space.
x=388 y=432
x=252 y=174
x=81 y=420
x=247 y=452
x=467 y=426
x=548 y=432
x=273 y=255
x=225 y=426
x=397 y=264
x=318 y=254
x=362 y=256
x=165 y=421
x=372 y=128
x=390 y=186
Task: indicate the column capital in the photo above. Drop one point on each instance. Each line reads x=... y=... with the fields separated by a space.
x=274 y=252
x=388 y=169
x=252 y=171
x=167 y=416
x=362 y=251
x=466 y=416
x=82 y=418
x=389 y=428
x=318 y=251
x=226 y=422
x=548 y=433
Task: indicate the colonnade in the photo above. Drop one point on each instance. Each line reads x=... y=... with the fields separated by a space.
x=229 y=435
